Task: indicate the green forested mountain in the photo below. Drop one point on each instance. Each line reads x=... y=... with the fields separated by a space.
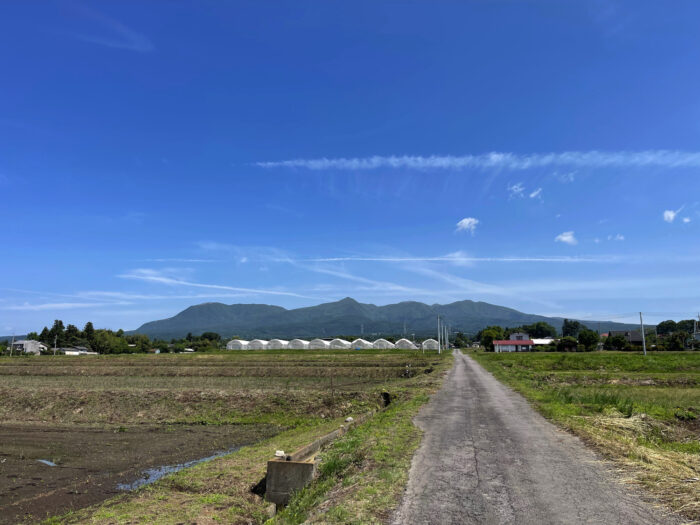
x=344 y=317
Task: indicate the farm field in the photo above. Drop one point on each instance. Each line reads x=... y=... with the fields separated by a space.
x=104 y=420
x=641 y=411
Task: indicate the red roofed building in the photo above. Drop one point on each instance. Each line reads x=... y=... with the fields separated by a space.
x=518 y=342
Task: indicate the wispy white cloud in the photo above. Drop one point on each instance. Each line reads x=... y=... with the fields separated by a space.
x=686 y=220
x=459 y=257
x=121 y=37
x=515 y=190
x=156 y=276
x=60 y=306
x=503 y=160
x=536 y=194
x=670 y=215
x=616 y=237
x=565 y=178
x=566 y=237
x=175 y=259
x=468 y=224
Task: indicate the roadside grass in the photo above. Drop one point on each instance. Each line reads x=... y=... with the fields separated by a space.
x=642 y=412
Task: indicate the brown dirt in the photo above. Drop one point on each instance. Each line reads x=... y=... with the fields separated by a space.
x=92 y=461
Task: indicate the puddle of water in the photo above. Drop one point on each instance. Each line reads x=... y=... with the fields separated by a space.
x=47 y=462
x=152 y=475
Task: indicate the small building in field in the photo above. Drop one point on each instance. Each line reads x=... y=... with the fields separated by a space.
x=298 y=344
x=405 y=344
x=632 y=336
x=361 y=344
x=257 y=344
x=340 y=344
x=77 y=350
x=430 y=344
x=382 y=344
x=237 y=344
x=29 y=346
x=278 y=344
x=319 y=344
x=518 y=342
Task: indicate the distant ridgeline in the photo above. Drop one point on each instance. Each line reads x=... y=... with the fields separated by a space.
x=346 y=317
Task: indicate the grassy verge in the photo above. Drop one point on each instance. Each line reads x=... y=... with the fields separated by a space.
x=642 y=412
x=363 y=474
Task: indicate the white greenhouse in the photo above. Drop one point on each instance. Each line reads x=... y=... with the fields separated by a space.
x=405 y=344
x=237 y=344
x=319 y=344
x=382 y=344
x=277 y=344
x=430 y=344
x=257 y=344
x=361 y=344
x=298 y=344
x=340 y=344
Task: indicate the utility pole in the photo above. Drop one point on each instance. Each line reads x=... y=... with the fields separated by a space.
x=644 y=341
x=55 y=341
x=12 y=345
x=438 y=334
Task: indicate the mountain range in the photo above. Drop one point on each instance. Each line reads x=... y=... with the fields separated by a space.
x=345 y=317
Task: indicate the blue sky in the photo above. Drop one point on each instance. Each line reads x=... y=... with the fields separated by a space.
x=538 y=155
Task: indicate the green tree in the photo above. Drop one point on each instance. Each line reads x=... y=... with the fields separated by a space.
x=489 y=335
x=687 y=325
x=73 y=335
x=211 y=336
x=571 y=328
x=33 y=336
x=588 y=338
x=45 y=336
x=567 y=344
x=89 y=332
x=57 y=334
x=540 y=330
x=617 y=342
x=677 y=340
x=666 y=327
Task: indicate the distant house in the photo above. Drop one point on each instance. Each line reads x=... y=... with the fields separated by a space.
x=632 y=336
x=29 y=346
x=518 y=342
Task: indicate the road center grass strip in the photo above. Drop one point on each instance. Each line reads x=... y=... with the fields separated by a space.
x=642 y=412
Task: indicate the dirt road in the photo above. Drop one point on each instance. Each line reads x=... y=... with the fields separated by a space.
x=488 y=457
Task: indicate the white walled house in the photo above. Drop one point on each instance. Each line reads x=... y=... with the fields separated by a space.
x=405 y=344
x=340 y=344
x=29 y=346
x=298 y=344
x=430 y=344
x=237 y=344
x=361 y=344
x=518 y=342
x=257 y=344
x=278 y=344
x=319 y=344
x=382 y=344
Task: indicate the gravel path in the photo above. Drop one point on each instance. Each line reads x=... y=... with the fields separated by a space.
x=488 y=457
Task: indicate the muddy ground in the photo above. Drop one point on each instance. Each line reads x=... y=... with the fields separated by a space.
x=92 y=462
